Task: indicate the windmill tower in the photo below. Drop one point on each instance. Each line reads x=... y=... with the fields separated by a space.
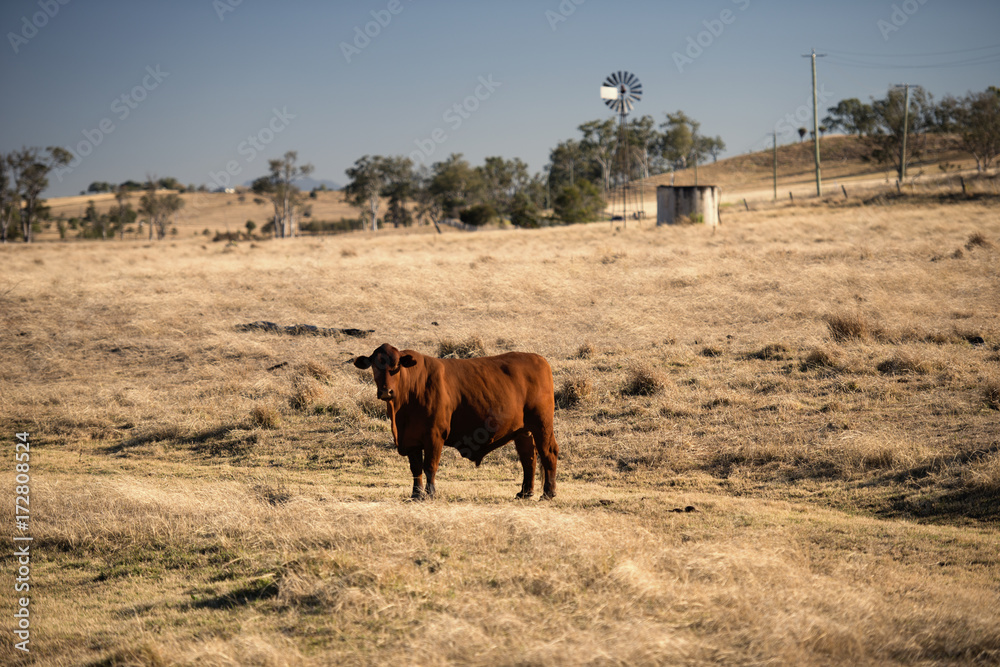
x=621 y=91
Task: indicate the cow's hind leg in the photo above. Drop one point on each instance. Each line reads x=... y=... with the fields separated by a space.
x=548 y=452
x=417 y=470
x=525 y=445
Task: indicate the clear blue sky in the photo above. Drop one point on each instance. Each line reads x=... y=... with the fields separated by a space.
x=208 y=83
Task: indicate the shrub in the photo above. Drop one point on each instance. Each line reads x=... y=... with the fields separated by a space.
x=579 y=203
x=477 y=215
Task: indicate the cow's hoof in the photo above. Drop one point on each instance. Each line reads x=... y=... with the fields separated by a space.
x=524 y=496
x=418 y=495
x=548 y=496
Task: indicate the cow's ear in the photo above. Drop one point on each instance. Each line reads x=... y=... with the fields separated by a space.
x=407 y=361
x=363 y=362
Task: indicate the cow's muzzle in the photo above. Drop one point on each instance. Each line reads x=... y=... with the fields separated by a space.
x=385 y=394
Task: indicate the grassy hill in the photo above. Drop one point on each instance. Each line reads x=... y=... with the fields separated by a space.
x=842 y=161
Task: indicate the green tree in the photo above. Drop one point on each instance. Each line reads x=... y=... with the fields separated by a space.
x=368 y=176
x=30 y=169
x=600 y=137
x=579 y=203
x=455 y=184
x=9 y=202
x=279 y=188
x=885 y=136
x=502 y=180
x=977 y=120
x=678 y=139
x=852 y=116
x=566 y=164
x=645 y=139
x=159 y=209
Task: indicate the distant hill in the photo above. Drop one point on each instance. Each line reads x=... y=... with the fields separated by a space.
x=308 y=184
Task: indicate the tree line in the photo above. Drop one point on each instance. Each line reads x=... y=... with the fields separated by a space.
x=574 y=185
x=972 y=120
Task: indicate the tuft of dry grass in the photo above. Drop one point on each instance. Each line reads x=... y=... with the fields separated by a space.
x=821 y=358
x=643 y=380
x=585 y=351
x=991 y=392
x=770 y=352
x=854 y=327
x=904 y=363
x=305 y=392
x=574 y=390
x=979 y=240
x=471 y=347
x=265 y=416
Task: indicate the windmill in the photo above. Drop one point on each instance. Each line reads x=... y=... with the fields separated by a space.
x=621 y=91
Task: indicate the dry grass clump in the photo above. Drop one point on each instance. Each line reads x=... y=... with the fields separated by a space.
x=574 y=390
x=770 y=352
x=585 y=351
x=643 y=381
x=305 y=392
x=821 y=358
x=264 y=416
x=473 y=346
x=854 y=326
x=318 y=371
x=979 y=240
x=711 y=352
x=991 y=393
x=904 y=363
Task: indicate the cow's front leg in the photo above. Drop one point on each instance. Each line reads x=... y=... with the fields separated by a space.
x=432 y=457
x=417 y=470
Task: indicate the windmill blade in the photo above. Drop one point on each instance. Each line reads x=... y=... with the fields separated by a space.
x=631 y=79
x=621 y=79
x=608 y=82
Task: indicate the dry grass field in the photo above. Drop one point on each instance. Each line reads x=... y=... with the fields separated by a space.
x=818 y=382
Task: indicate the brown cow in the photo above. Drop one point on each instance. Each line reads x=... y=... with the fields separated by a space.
x=473 y=405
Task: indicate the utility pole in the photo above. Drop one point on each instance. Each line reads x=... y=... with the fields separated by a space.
x=774 y=165
x=819 y=186
x=906 y=119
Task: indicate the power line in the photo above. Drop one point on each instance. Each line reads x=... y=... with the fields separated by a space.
x=913 y=55
x=980 y=60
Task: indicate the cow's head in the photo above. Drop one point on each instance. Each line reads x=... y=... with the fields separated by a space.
x=386 y=362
